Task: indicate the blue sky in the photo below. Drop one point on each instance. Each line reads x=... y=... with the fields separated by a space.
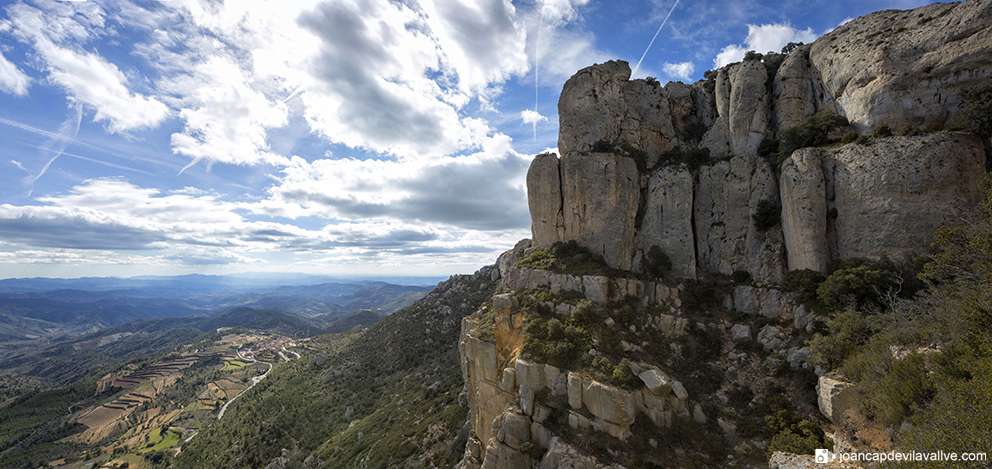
x=343 y=137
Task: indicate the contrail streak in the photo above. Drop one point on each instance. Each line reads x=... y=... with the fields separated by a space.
x=537 y=65
x=58 y=143
x=655 y=37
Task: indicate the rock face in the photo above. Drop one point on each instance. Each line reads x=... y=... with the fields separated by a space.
x=893 y=67
x=667 y=221
x=600 y=193
x=544 y=182
x=726 y=199
x=880 y=191
x=886 y=198
x=905 y=67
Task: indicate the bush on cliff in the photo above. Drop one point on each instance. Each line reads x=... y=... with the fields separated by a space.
x=656 y=263
x=566 y=258
x=811 y=133
x=767 y=216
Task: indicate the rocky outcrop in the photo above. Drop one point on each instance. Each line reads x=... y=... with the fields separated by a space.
x=602 y=103
x=743 y=110
x=885 y=198
x=544 y=182
x=898 y=68
x=726 y=200
x=905 y=67
x=794 y=90
x=835 y=396
x=561 y=455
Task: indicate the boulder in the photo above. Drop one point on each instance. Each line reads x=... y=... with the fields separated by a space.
x=656 y=381
x=609 y=403
x=740 y=333
x=835 y=396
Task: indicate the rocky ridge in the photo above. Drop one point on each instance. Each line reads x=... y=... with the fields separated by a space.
x=891 y=67
x=833 y=203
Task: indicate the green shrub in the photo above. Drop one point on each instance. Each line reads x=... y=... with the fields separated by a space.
x=863 y=140
x=652 y=81
x=691 y=158
x=802 y=438
x=767 y=215
x=849 y=137
x=848 y=331
x=862 y=285
x=881 y=131
x=768 y=147
x=602 y=146
x=741 y=277
x=812 y=132
x=911 y=131
x=567 y=258
x=805 y=282
x=695 y=131
x=656 y=263
x=739 y=396
x=639 y=156
x=791 y=47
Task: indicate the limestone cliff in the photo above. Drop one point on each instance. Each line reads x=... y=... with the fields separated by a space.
x=570 y=369
x=893 y=67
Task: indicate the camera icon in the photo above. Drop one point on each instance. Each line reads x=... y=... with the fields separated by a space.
x=821 y=456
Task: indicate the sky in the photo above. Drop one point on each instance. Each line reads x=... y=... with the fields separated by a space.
x=348 y=137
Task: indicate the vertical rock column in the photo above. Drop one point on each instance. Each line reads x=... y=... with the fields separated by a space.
x=600 y=193
x=544 y=200
x=804 y=211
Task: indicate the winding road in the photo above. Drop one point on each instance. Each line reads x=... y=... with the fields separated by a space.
x=254 y=381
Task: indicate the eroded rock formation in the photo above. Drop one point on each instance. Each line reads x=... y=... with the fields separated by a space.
x=892 y=67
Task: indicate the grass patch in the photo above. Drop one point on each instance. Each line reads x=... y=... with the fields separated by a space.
x=233 y=365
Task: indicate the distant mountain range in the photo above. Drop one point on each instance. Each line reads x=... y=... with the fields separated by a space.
x=46 y=309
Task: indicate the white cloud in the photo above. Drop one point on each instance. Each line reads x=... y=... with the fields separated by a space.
x=402 y=82
x=681 y=70
x=226 y=119
x=729 y=54
x=482 y=191
x=763 y=38
x=192 y=227
x=87 y=77
x=12 y=79
x=481 y=40
x=532 y=117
